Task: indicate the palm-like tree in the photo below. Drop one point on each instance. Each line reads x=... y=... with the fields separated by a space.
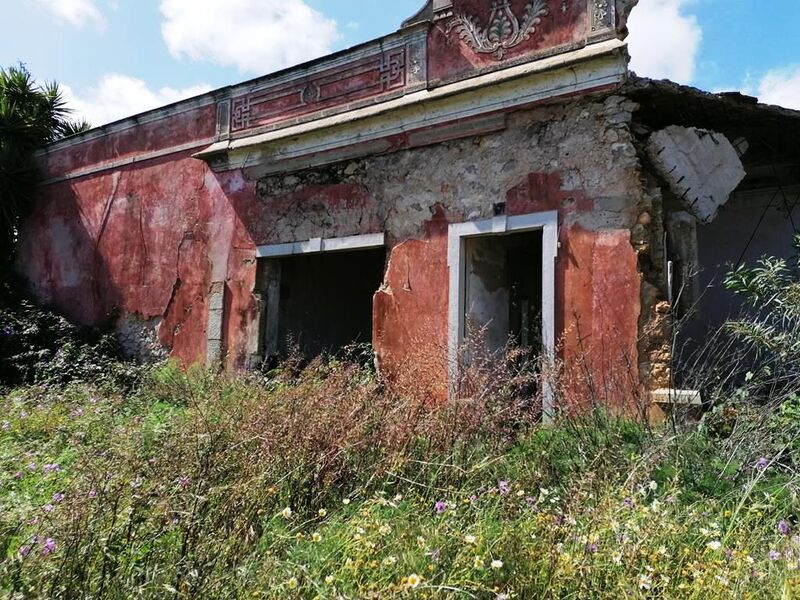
x=31 y=116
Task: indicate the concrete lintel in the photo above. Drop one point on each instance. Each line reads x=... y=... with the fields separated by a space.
x=316 y=245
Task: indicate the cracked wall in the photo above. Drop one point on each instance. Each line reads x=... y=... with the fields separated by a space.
x=157 y=239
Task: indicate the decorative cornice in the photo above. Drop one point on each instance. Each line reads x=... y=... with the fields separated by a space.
x=503 y=30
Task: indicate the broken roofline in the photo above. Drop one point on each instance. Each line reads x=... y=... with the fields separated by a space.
x=394 y=65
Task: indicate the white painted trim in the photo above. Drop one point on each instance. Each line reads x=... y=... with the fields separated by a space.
x=547 y=222
x=316 y=245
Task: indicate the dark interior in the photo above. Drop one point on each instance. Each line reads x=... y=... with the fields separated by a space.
x=326 y=300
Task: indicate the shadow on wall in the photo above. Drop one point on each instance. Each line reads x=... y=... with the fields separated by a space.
x=130 y=248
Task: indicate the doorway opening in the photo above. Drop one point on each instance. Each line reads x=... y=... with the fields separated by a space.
x=503 y=291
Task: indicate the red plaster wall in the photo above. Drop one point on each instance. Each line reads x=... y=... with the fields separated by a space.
x=597 y=295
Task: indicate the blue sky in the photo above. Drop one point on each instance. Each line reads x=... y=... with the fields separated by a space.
x=119 y=57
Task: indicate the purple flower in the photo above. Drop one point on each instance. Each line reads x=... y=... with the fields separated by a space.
x=774 y=555
x=762 y=463
x=560 y=520
x=92 y=494
x=183 y=481
x=24 y=550
x=628 y=502
x=440 y=507
x=6 y=425
x=49 y=547
x=58 y=498
x=8 y=331
x=434 y=554
x=783 y=527
x=504 y=487
x=592 y=548
x=48 y=508
x=51 y=468
x=473 y=499
x=31 y=466
x=18 y=475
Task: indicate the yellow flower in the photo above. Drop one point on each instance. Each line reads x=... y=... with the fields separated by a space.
x=286 y=512
x=478 y=562
x=292 y=583
x=316 y=537
x=413 y=580
x=322 y=512
x=329 y=579
x=497 y=564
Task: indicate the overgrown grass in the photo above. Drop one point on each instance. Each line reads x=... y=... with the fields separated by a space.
x=326 y=484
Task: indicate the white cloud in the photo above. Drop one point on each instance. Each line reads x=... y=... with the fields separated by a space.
x=119 y=96
x=779 y=86
x=256 y=36
x=664 y=40
x=75 y=12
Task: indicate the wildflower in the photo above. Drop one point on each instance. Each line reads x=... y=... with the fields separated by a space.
x=774 y=555
x=389 y=560
x=398 y=498
x=49 y=468
x=592 y=548
x=24 y=551
x=292 y=583
x=346 y=501
x=497 y=564
x=420 y=542
x=413 y=580
x=316 y=537
x=478 y=562
x=58 y=498
x=286 y=512
x=762 y=463
x=322 y=513
x=92 y=494
x=473 y=499
x=31 y=466
x=628 y=502
x=470 y=539
x=6 y=425
x=8 y=331
x=502 y=597
x=616 y=558
x=440 y=507
x=504 y=487
x=783 y=527
x=434 y=554
x=385 y=530
x=183 y=481
x=714 y=545
x=329 y=579
x=49 y=547
x=653 y=486
x=48 y=508
x=645 y=582
x=18 y=475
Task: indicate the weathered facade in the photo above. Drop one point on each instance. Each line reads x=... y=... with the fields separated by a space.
x=490 y=165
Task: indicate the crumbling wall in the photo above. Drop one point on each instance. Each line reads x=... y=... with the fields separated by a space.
x=577 y=158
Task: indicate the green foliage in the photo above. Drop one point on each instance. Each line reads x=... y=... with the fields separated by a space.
x=326 y=483
x=39 y=346
x=31 y=116
x=772 y=328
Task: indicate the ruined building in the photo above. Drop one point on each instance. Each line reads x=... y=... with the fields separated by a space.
x=491 y=164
